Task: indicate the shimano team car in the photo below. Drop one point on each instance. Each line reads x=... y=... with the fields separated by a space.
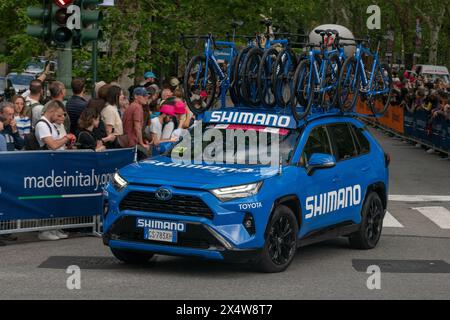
x=328 y=177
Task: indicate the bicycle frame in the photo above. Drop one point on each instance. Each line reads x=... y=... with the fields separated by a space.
x=361 y=70
x=210 y=57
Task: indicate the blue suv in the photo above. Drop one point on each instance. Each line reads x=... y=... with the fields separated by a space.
x=331 y=181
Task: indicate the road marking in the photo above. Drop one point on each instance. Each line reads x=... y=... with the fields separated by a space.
x=418 y=198
x=439 y=215
x=390 y=221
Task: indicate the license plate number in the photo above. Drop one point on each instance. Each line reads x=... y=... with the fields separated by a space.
x=161 y=235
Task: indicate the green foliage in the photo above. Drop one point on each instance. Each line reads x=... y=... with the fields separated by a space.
x=143 y=35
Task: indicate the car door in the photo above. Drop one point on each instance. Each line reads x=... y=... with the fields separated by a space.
x=350 y=169
x=314 y=188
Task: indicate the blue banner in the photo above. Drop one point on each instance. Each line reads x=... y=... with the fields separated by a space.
x=45 y=184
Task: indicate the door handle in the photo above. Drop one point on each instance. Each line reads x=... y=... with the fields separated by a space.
x=365 y=169
x=336 y=180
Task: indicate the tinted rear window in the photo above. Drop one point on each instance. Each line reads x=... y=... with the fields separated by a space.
x=343 y=140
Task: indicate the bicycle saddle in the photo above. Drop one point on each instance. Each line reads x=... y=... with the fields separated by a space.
x=319 y=31
x=267 y=22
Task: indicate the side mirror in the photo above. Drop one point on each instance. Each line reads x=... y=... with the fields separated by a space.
x=320 y=161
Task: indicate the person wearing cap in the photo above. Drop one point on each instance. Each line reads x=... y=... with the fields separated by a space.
x=180 y=114
x=156 y=127
x=133 y=120
x=150 y=77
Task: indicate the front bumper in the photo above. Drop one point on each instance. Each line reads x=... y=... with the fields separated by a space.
x=219 y=235
x=199 y=241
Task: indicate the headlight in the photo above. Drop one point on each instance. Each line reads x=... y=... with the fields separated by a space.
x=118 y=182
x=244 y=191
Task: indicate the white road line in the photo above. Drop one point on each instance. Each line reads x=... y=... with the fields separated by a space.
x=390 y=221
x=439 y=215
x=418 y=198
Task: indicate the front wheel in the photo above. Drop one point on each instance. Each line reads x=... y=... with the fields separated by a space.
x=369 y=233
x=348 y=87
x=281 y=242
x=200 y=85
x=131 y=257
x=382 y=82
x=251 y=65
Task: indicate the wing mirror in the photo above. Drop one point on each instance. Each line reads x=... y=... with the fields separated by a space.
x=320 y=161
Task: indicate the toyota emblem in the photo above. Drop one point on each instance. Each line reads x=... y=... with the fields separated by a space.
x=163 y=194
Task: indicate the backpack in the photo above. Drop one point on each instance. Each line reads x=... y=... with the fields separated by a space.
x=31 y=142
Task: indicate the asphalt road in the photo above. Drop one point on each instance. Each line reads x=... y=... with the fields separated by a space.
x=413 y=254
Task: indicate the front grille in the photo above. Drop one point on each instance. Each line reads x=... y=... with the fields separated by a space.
x=180 y=205
x=196 y=235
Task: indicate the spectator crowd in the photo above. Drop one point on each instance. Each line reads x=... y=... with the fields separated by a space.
x=144 y=116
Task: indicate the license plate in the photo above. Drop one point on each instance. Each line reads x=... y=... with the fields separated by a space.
x=160 y=235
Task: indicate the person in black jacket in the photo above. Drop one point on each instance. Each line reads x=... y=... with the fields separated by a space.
x=10 y=132
x=77 y=103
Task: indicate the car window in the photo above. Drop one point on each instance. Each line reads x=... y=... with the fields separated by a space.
x=318 y=142
x=362 y=144
x=343 y=141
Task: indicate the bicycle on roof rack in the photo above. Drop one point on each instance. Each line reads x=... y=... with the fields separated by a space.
x=316 y=78
x=375 y=86
x=204 y=75
x=258 y=81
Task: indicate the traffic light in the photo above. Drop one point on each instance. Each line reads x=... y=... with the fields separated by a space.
x=90 y=17
x=42 y=30
x=61 y=34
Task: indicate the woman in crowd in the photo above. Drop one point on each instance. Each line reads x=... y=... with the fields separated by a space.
x=110 y=114
x=89 y=119
x=99 y=132
x=3 y=147
x=23 y=122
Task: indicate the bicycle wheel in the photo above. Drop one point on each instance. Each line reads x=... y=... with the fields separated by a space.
x=382 y=82
x=348 y=87
x=302 y=90
x=265 y=87
x=199 y=87
x=283 y=74
x=232 y=89
x=330 y=82
x=237 y=80
x=250 y=77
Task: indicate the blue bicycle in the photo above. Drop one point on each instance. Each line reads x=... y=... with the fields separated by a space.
x=375 y=86
x=316 y=78
x=258 y=85
x=204 y=75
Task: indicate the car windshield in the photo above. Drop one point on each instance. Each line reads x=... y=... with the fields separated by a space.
x=2 y=84
x=236 y=144
x=21 y=79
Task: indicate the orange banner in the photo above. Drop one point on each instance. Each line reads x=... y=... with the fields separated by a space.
x=392 y=119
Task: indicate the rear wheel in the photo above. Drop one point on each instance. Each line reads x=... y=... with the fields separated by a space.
x=237 y=80
x=302 y=90
x=283 y=74
x=199 y=86
x=348 y=87
x=250 y=77
x=368 y=236
x=131 y=257
x=265 y=84
x=281 y=242
x=330 y=82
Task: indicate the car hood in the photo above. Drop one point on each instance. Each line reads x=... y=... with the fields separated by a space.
x=162 y=171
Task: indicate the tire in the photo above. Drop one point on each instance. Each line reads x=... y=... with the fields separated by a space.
x=131 y=257
x=384 y=99
x=273 y=258
x=283 y=74
x=250 y=77
x=191 y=89
x=333 y=69
x=238 y=74
x=299 y=97
x=348 y=87
x=265 y=78
x=372 y=214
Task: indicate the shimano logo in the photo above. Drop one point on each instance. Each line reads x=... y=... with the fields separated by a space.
x=161 y=225
x=257 y=119
x=333 y=201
